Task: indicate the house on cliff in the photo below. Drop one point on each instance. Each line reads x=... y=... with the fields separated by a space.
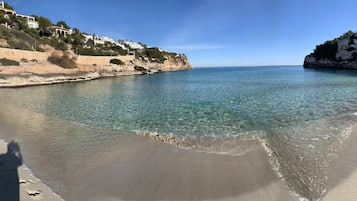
x=31 y=22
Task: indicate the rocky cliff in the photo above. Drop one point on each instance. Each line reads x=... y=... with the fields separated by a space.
x=340 y=52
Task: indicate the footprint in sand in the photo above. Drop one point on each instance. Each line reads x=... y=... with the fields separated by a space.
x=29 y=181
x=35 y=194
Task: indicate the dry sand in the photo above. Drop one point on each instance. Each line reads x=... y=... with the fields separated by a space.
x=38 y=68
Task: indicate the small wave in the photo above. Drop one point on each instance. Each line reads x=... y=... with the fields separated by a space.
x=300 y=154
x=227 y=145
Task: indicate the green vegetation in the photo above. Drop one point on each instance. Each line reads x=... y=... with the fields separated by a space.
x=18 y=39
x=8 y=62
x=19 y=36
x=7 y=6
x=152 y=54
x=64 y=61
x=45 y=26
x=63 y=23
x=117 y=62
x=328 y=49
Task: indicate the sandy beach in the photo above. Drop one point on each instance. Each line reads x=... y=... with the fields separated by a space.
x=18 y=183
x=158 y=171
x=132 y=167
x=342 y=173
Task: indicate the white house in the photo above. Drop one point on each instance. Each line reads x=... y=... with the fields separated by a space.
x=61 y=31
x=98 y=39
x=31 y=22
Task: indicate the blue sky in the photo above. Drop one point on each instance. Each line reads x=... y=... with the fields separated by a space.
x=210 y=32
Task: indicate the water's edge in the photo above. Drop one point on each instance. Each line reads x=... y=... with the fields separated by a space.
x=300 y=163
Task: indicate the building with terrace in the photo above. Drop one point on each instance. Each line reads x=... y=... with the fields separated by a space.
x=6 y=10
x=31 y=22
x=61 y=31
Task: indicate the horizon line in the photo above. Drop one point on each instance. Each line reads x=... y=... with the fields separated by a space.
x=232 y=66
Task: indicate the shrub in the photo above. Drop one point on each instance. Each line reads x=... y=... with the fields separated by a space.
x=117 y=62
x=18 y=44
x=24 y=60
x=329 y=48
x=8 y=62
x=154 y=55
x=64 y=61
x=58 y=44
x=326 y=51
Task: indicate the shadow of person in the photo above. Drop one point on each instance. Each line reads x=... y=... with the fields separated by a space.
x=9 y=177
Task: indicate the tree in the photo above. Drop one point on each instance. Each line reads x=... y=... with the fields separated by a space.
x=7 y=6
x=44 y=22
x=77 y=37
x=45 y=26
x=62 y=23
x=37 y=18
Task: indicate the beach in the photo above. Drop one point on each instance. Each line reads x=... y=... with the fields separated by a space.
x=342 y=173
x=117 y=139
x=20 y=184
x=139 y=168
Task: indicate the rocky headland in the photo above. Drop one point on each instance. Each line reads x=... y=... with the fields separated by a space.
x=34 y=68
x=339 y=53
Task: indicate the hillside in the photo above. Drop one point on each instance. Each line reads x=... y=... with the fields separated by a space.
x=39 y=47
x=340 y=52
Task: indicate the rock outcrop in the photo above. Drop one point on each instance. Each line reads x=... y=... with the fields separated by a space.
x=34 y=69
x=338 y=53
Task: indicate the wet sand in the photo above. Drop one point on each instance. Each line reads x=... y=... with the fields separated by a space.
x=163 y=172
x=342 y=173
x=131 y=167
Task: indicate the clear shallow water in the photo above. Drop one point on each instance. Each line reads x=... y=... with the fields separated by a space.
x=209 y=101
x=303 y=115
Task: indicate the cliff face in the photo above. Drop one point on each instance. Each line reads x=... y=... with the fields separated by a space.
x=338 y=53
x=171 y=63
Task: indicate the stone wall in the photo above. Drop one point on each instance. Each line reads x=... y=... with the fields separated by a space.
x=17 y=55
x=101 y=60
x=23 y=54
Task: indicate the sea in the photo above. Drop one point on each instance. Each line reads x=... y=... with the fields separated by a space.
x=301 y=116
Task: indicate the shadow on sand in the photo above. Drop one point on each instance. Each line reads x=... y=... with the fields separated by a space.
x=9 y=177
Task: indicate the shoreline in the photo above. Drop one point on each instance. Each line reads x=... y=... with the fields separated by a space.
x=31 y=79
x=134 y=167
x=144 y=169
x=34 y=68
x=342 y=172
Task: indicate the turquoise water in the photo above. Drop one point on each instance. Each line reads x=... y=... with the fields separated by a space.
x=302 y=114
x=204 y=101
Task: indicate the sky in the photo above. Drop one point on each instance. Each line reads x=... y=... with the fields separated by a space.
x=210 y=32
